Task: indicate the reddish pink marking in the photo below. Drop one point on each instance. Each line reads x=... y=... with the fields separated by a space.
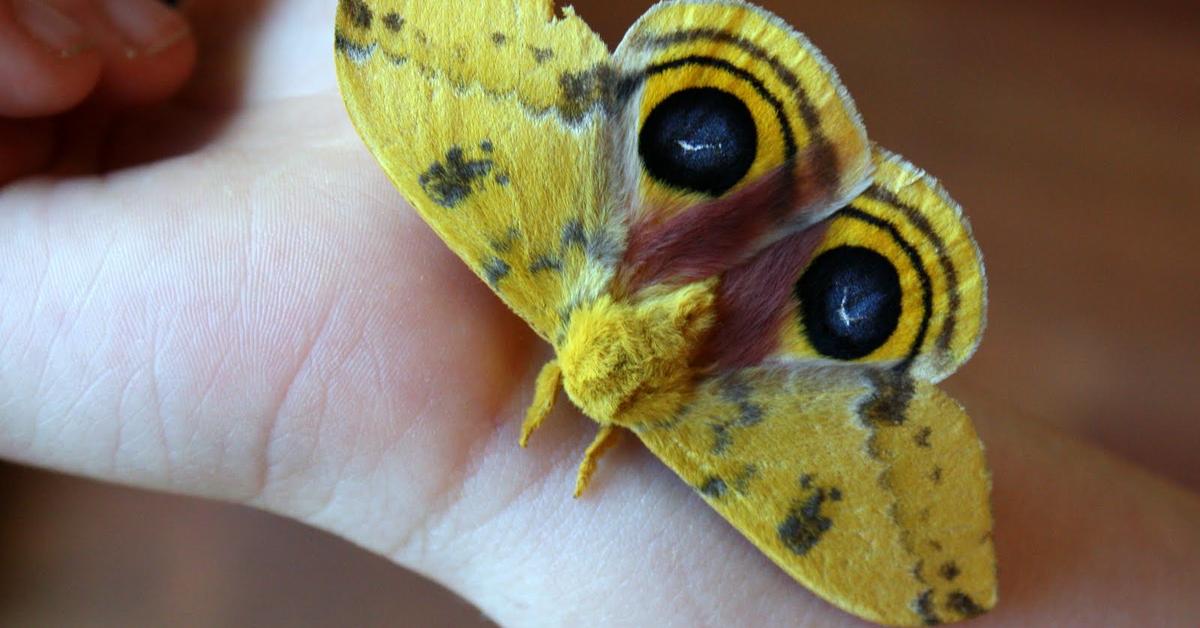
x=755 y=299
x=703 y=240
x=708 y=238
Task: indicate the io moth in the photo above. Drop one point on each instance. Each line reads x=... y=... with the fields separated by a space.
x=723 y=262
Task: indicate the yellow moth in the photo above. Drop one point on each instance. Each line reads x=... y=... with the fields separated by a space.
x=723 y=262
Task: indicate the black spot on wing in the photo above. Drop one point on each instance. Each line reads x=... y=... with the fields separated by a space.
x=449 y=182
x=499 y=38
x=597 y=88
x=922 y=436
x=962 y=604
x=573 y=233
x=505 y=243
x=936 y=475
x=805 y=524
x=924 y=607
x=741 y=483
x=544 y=263
x=949 y=571
x=357 y=12
x=494 y=270
x=749 y=414
x=714 y=487
x=807 y=521
x=353 y=50
x=541 y=55
x=888 y=404
x=393 y=22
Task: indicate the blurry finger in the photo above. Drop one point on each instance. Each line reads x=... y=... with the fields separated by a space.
x=147 y=47
x=47 y=64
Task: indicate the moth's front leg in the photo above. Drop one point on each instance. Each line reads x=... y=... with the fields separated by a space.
x=544 y=392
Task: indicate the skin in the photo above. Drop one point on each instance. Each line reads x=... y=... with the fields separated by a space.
x=223 y=296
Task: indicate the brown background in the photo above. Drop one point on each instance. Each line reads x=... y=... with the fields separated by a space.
x=1069 y=131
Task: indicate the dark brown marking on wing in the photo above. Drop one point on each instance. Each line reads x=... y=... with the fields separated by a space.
x=573 y=233
x=541 y=55
x=505 y=243
x=964 y=605
x=599 y=87
x=544 y=263
x=358 y=12
x=353 y=50
x=949 y=571
x=449 y=182
x=922 y=437
x=495 y=269
x=499 y=39
x=888 y=404
x=393 y=22
x=805 y=523
x=741 y=483
x=714 y=487
x=749 y=414
x=924 y=607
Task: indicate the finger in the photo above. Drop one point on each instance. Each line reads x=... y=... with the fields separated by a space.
x=147 y=48
x=47 y=60
x=259 y=295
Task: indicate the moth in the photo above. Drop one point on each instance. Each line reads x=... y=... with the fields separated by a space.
x=723 y=262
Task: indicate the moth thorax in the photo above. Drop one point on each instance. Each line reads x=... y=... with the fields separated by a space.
x=622 y=360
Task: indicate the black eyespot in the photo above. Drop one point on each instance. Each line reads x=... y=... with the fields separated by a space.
x=700 y=139
x=849 y=302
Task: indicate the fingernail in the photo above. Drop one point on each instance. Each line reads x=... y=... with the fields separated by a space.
x=50 y=26
x=147 y=26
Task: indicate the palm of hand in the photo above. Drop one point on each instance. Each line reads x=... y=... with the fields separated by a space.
x=245 y=310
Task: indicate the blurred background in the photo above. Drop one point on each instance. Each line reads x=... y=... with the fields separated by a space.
x=1070 y=132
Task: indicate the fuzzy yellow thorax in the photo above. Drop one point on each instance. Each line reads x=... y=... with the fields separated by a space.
x=625 y=362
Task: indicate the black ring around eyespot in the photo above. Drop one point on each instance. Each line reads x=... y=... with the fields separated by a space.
x=914 y=257
x=789 y=136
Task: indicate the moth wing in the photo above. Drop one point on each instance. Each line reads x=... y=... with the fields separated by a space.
x=735 y=130
x=893 y=279
x=873 y=496
x=487 y=117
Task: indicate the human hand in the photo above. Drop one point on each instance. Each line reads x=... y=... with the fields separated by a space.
x=221 y=295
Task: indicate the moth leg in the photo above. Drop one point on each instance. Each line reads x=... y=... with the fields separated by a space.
x=544 y=392
x=605 y=439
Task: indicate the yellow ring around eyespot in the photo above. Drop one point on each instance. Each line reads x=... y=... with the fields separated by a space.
x=771 y=151
x=847 y=231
